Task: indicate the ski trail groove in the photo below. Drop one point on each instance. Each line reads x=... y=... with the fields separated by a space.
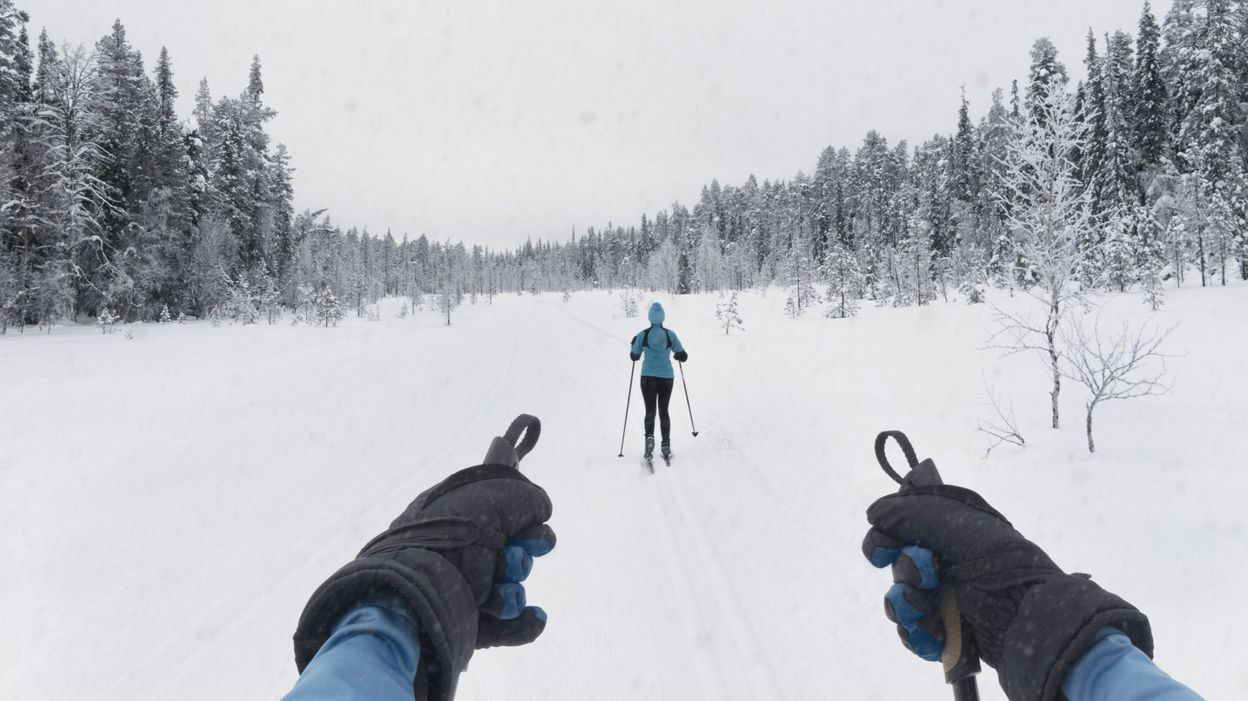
x=758 y=670
x=712 y=672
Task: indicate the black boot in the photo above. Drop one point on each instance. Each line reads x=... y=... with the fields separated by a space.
x=666 y=449
x=649 y=447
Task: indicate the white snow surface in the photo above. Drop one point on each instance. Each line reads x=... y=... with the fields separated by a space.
x=168 y=502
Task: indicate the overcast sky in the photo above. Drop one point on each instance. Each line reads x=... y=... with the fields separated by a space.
x=493 y=121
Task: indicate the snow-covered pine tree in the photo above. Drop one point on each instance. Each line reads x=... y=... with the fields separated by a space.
x=1092 y=116
x=628 y=303
x=165 y=317
x=1118 y=186
x=1117 y=257
x=1154 y=288
x=326 y=308
x=662 y=272
x=242 y=303
x=77 y=200
x=105 y=320
x=729 y=315
x=969 y=270
x=1046 y=75
x=800 y=275
x=1168 y=200
x=268 y=296
x=304 y=297
x=913 y=265
x=403 y=311
x=1208 y=141
x=963 y=166
x=447 y=301
x=1150 y=96
x=845 y=283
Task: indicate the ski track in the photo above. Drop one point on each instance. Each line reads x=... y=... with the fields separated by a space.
x=751 y=659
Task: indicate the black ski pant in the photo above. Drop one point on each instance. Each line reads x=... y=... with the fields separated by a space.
x=657 y=391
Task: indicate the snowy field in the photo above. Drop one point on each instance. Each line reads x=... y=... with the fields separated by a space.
x=169 y=501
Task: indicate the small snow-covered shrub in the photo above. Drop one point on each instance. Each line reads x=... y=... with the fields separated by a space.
x=105 y=321
x=628 y=303
x=1154 y=290
x=729 y=315
x=973 y=292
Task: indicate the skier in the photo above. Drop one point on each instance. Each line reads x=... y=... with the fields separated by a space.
x=657 y=378
x=1047 y=633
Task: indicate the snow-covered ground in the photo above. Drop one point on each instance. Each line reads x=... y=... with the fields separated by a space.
x=168 y=502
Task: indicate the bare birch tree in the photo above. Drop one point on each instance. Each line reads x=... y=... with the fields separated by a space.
x=1048 y=216
x=1126 y=365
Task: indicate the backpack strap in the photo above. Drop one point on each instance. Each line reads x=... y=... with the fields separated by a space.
x=645 y=337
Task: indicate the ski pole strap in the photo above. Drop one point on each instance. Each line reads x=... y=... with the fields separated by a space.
x=527 y=425
x=881 y=441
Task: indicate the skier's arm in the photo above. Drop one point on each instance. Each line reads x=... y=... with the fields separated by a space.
x=679 y=348
x=634 y=351
x=372 y=653
x=455 y=560
x=1115 y=670
x=1042 y=629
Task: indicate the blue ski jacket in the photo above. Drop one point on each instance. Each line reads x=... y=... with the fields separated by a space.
x=656 y=344
x=373 y=653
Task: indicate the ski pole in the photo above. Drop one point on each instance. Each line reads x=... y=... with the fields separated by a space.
x=960 y=657
x=627 y=404
x=693 y=427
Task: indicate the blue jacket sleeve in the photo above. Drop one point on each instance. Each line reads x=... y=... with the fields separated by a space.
x=371 y=654
x=676 y=345
x=1115 y=669
x=636 y=347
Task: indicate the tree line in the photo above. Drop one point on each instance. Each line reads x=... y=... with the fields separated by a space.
x=110 y=201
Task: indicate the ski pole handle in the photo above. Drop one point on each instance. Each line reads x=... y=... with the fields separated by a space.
x=960 y=657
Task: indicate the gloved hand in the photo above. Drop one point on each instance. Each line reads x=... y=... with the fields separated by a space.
x=635 y=356
x=682 y=356
x=1030 y=620
x=456 y=555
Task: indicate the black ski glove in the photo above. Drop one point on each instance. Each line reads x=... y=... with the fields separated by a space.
x=635 y=356
x=1031 y=621
x=455 y=555
x=682 y=356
